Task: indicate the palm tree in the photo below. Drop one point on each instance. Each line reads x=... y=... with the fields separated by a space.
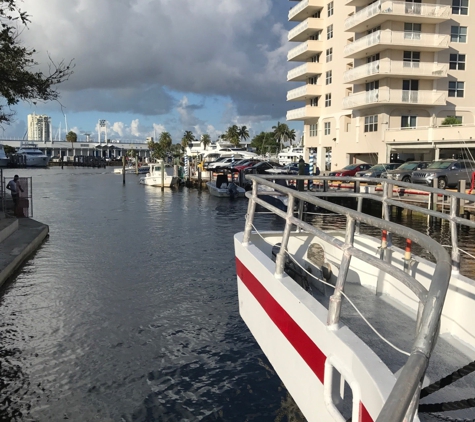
x=281 y=133
x=205 y=140
x=187 y=139
x=165 y=140
x=291 y=136
x=243 y=133
x=232 y=135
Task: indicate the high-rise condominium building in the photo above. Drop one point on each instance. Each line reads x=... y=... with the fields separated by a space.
x=39 y=127
x=380 y=78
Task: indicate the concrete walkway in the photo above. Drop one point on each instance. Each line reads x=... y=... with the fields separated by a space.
x=19 y=238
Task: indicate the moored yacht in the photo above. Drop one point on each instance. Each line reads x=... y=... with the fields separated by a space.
x=31 y=156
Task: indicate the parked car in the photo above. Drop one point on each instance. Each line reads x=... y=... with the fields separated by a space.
x=220 y=162
x=448 y=173
x=350 y=170
x=260 y=168
x=294 y=168
x=377 y=170
x=243 y=164
x=404 y=171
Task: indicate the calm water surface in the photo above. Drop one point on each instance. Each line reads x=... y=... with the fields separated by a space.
x=129 y=311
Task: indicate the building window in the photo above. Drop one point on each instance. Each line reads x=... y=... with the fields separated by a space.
x=459 y=7
x=371 y=123
x=313 y=80
x=413 y=7
x=328 y=77
x=314 y=102
x=412 y=31
x=317 y=15
x=370 y=86
x=408 y=122
x=315 y=59
x=457 y=61
x=411 y=59
x=314 y=129
x=328 y=127
x=329 y=54
x=328 y=100
x=330 y=9
x=456 y=89
x=373 y=58
x=375 y=29
x=315 y=36
x=330 y=32
x=458 y=34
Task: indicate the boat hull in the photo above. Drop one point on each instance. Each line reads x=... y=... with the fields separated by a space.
x=169 y=181
x=223 y=192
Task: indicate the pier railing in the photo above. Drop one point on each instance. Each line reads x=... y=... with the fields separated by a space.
x=403 y=400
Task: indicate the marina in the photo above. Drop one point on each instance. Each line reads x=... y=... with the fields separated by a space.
x=103 y=324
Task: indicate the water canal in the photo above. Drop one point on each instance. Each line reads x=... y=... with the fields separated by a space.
x=129 y=311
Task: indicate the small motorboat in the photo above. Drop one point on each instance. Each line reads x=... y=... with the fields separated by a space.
x=222 y=188
x=154 y=177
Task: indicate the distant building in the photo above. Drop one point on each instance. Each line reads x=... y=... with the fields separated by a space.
x=39 y=127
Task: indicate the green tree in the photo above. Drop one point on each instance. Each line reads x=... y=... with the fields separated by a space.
x=160 y=150
x=451 y=120
x=187 y=139
x=71 y=136
x=243 y=133
x=205 y=140
x=265 y=142
x=282 y=133
x=19 y=80
x=232 y=135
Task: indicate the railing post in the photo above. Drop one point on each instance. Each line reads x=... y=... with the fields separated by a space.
x=334 y=306
x=385 y=210
x=251 y=210
x=280 y=258
x=359 y=208
x=462 y=188
x=453 y=234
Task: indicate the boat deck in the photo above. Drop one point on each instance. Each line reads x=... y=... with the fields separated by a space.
x=397 y=326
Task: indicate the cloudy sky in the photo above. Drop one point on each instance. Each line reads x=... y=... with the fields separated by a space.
x=148 y=66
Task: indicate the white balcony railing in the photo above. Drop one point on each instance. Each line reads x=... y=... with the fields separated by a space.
x=301 y=27
x=388 y=67
x=304 y=91
x=400 y=8
x=394 y=96
x=304 y=69
x=398 y=38
x=313 y=46
x=303 y=113
x=298 y=8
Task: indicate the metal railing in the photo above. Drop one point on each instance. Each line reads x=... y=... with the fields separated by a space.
x=404 y=397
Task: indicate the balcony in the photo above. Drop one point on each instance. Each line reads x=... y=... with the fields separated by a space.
x=303 y=72
x=305 y=29
x=303 y=113
x=357 y=3
x=384 y=10
x=304 y=9
x=395 y=40
x=394 y=69
x=394 y=96
x=305 y=92
x=305 y=50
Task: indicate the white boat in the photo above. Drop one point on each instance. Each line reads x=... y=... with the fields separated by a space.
x=154 y=176
x=224 y=189
x=290 y=155
x=356 y=328
x=3 y=157
x=31 y=156
x=132 y=169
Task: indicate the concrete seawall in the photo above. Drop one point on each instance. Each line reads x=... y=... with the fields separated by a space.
x=19 y=238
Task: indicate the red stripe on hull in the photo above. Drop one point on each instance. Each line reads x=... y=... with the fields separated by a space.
x=297 y=337
x=364 y=415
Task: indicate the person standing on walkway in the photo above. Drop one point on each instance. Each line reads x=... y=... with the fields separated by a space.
x=15 y=188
